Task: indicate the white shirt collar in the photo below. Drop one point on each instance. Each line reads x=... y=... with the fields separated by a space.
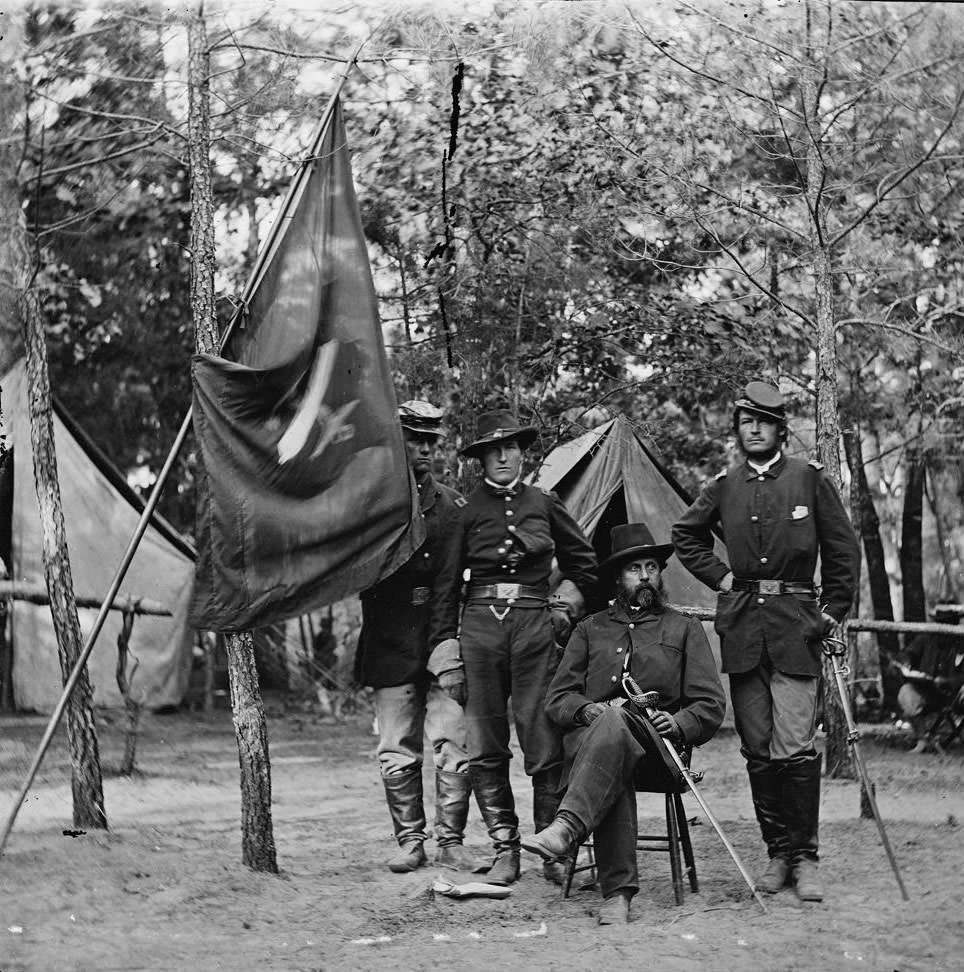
x=512 y=485
x=760 y=470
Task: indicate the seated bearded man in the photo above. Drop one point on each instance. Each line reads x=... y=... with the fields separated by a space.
x=610 y=748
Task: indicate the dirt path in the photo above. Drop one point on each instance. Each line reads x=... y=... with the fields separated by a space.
x=164 y=890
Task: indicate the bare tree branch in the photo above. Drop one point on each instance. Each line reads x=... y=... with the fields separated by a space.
x=85 y=163
x=906 y=332
x=882 y=194
x=692 y=70
x=751 y=275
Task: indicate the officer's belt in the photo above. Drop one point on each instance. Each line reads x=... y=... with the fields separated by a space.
x=773 y=586
x=505 y=592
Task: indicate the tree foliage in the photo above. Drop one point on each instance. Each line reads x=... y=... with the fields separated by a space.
x=570 y=210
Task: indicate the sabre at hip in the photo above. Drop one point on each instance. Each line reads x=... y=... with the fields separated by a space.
x=646 y=703
x=834 y=649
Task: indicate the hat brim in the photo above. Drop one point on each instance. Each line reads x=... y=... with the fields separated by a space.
x=524 y=436
x=744 y=405
x=658 y=551
x=421 y=429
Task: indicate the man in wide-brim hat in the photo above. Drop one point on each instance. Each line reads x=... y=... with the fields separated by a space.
x=778 y=515
x=612 y=750
x=510 y=624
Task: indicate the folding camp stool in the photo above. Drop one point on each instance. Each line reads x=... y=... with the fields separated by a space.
x=676 y=842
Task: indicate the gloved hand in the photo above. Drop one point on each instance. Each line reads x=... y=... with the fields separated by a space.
x=453 y=684
x=445 y=656
x=666 y=725
x=561 y=623
x=445 y=663
x=829 y=624
x=588 y=714
x=567 y=606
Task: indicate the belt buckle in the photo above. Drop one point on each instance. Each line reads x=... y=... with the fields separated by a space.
x=420 y=595
x=770 y=586
x=504 y=591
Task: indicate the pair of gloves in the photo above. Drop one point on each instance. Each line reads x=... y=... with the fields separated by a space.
x=445 y=663
x=663 y=722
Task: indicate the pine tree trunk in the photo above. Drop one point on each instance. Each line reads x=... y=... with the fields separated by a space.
x=839 y=759
x=888 y=644
x=20 y=298
x=911 y=545
x=257 y=833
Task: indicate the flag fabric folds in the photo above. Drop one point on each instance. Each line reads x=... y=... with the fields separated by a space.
x=304 y=492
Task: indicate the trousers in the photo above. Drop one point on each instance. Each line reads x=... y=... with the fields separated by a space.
x=775 y=714
x=509 y=652
x=613 y=758
x=407 y=714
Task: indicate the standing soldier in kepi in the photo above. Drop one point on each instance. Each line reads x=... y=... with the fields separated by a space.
x=511 y=628
x=777 y=514
x=408 y=653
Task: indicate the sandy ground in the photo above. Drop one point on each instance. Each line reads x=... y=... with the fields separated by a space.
x=164 y=889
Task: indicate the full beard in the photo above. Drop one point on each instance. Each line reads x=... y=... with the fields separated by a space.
x=644 y=597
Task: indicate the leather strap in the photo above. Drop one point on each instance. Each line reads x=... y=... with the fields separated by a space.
x=505 y=592
x=765 y=586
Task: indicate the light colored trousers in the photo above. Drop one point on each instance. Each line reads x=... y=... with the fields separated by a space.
x=775 y=714
x=406 y=716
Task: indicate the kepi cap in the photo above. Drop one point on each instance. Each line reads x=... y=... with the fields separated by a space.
x=422 y=417
x=762 y=399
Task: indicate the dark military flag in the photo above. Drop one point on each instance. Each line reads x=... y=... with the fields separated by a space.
x=304 y=496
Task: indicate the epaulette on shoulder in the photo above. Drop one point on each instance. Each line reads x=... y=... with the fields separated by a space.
x=721 y=474
x=460 y=501
x=815 y=464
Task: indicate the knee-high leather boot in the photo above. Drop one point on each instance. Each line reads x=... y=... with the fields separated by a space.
x=766 y=787
x=403 y=791
x=452 y=792
x=493 y=793
x=801 y=800
x=546 y=796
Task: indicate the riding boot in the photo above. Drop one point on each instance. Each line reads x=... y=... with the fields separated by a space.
x=801 y=801
x=546 y=797
x=493 y=793
x=452 y=792
x=403 y=792
x=766 y=787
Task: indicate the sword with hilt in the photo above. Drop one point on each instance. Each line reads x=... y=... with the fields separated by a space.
x=835 y=649
x=646 y=703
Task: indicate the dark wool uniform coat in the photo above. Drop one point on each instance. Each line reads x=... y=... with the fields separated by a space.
x=775 y=524
x=406 y=615
x=668 y=654
x=513 y=538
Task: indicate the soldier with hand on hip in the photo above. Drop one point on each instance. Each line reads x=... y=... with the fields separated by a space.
x=409 y=653
x=510 y=626
x=778 y=515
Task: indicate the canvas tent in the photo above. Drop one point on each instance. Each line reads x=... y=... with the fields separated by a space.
x=612 y=475
x=100 y=513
